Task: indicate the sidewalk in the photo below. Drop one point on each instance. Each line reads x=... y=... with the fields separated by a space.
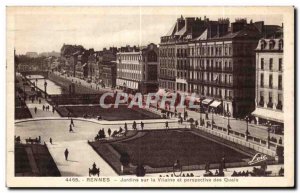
x=40 y=112
x=81 y=158
x=228 y=172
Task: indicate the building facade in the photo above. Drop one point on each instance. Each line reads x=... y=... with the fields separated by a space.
x=107 y=67
x=269 y=86
x=213 y=59
x=137 y=69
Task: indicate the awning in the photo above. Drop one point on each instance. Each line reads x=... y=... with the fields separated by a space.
x=207 y=101
x=195 y=99
x=161 y=92
x=215 y=104
x=268 y=114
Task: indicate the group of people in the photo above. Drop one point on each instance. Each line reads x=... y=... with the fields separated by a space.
x=134 y=125
x=47 y=108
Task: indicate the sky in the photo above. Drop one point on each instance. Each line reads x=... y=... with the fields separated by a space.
x=46 y=32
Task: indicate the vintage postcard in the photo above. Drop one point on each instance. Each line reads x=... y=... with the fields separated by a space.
x=150 y=97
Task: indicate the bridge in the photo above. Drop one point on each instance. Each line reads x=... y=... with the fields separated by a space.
x=43 y=73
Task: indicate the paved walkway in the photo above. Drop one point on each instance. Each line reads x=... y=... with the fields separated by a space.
x=228 y=172
x=40 y=111
x=81 y=158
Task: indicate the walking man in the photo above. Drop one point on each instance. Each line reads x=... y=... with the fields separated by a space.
x=167 y=125
x=125 y=127
x=72 y=122
x=66 y=154
x=35 y=110
x=50 y=140
x=43 y=107
x=142 y=125
x=71 y=129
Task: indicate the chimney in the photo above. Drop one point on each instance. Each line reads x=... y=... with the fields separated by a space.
x=238 y=25
x=180 y=24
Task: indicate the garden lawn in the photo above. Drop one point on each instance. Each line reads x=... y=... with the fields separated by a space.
x=162 y=148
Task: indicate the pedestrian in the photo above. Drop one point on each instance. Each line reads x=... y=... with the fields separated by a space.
x=71 y=129
x=125 y=126
x=40 y=101
x=43 y=107
x=109 y=132
x=35 y=110
x=50 y=140
x=53 y=110
x=66 y=154
x=142 y=125
x=72 y=122
x=167 y=125
x=134 y=125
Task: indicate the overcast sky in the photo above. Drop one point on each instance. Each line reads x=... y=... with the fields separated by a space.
x=48 y=32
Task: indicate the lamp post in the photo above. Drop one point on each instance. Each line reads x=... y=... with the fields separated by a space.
x=228 y=114
x=268 y=130
x=45 y=88
x=212 y=118
x=247 y=130
x=200 y=114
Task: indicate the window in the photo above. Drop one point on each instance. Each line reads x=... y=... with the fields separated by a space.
x=262 y=80
x=270 y=103
x=271 y=81
x=271 y=64
x=271 y=44
x=280 y=82
x=279 y=102
x=261 y=101
x=280 y=64
x=262 y=63
x=280 y=45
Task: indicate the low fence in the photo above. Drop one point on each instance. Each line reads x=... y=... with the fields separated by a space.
x=257 y=144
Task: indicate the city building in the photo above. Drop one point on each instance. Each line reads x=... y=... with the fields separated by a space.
x=107 y=67
x=269 y=86
x=214 y=60
x=93 y=67
x=137 y=69
x=69 y=58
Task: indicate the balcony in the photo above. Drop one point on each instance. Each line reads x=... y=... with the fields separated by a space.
x=261 y=103
x=227 y=69
x=270 y=105
x=279 y=106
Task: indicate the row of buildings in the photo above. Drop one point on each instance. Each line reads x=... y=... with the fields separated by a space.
x=233 y=68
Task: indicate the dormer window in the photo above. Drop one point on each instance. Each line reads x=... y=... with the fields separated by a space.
x=262 y=44
x=280 y=44
x=271 y=44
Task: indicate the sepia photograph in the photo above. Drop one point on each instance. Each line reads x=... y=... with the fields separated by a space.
x=150 y=97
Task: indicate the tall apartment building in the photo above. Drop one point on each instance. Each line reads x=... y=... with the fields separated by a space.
x=269 y=87
x=213 y=59
x=107 y=67
x=137 y=69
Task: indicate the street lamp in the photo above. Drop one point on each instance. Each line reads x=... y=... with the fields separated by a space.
x=212 y=118
x=268 y=130
x=200 y=114
x=45 y=88
x=247 y=130
x=228 y=114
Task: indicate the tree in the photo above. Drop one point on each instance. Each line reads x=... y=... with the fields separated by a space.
x=125 y=159
x=140 y=170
